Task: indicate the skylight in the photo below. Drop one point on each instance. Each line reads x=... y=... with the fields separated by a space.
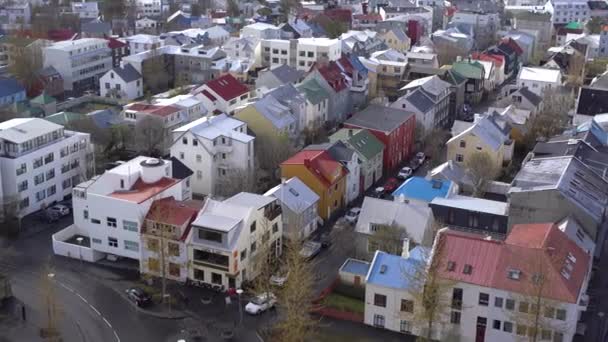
x=468 y=269
x=514 y=274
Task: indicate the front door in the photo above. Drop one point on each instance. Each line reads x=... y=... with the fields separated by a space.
x=480 y=335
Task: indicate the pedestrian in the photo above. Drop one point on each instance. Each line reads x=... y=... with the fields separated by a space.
x=23 y=316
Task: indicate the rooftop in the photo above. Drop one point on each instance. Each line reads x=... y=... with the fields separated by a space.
x=394 y=271
x=473 y=204
x=380 y=118
x=24 y=129
x=227 y=87
x=419 y=188
x=354 y=266
x=320 y=164
x=142 y=191
x=294 y=194
x=10 y=87
x=216 y=126
x=247 y=199
x=540 y=74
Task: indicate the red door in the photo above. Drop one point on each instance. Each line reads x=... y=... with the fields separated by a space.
x=480 y=335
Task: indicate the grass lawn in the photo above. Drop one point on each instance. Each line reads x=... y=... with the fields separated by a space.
x=344 y=303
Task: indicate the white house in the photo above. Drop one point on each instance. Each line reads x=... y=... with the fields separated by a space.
x=148 y=8
x=213 y=147
x=496 y=283
x=538 y=79
x=261 y=31
x=109 y=209
x=186 y=102
x=300 y=53
x=223 y=94
x=145 y=24
x=142 y=42
x=85 y=10
x=40 y=161
x=299 y=205
x=80 y=62
x=566 y=11
x=123 y=82
x=229 y=240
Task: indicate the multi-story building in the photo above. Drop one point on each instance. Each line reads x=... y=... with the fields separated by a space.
x=80 y=62
x=40 y=162
x=223 y=94
x=387 y=73
x=536 y=22
x=142 y=42
x=149 y=8
x=538 y=79
x=123 y=82
x=231 y=239
x=85 y=10
x=18 y=15
x=261 y=31
x=299 y=53
x=214 y=147
x=567 y=11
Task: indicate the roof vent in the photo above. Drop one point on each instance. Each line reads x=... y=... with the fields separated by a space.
x=436 y=184
x=514 y=274
x=468 y=269
x=451 y=266
x=565 y=273
x=383 y=269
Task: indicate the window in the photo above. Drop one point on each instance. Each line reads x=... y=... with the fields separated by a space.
x=112 y=242
x=199 y=174
x=521 y=330
x=455 y=317
x=459 y=158
x=49 y=158
x=199 y=158
x=210 y=235
x=484 y=299
x=181 y=155
x=37 y=163
x=243 y=254
x=152 y=245
x=216 y=278
x=22 y=169
x=194 y=142
x=173 y=249
x=380 y=300
x=549 y=312
x=40 y=195
x=457 y=298
x=51 y=191
x=174 y=270
x=22 y=186
x=38 y=179
x=451 y=266
x=510 y=304
x=131 y=246
x=24 y=203
x=153 y=265
x=96 y=241
x=252 y=227
x=468 y=269
x=545 y=335
x=498 y=302
x=50 y=174
x=560 y=314
x=496 y=324
x=507 y=327
x=407 y=305
x=473 y=220
x=463 y=144
x=111 y=222
x=253 y=247
x=523 y=307
x=379 y=321
x=129 y=225
x=275 y=227
x=405 y=327
x=185 y=141
x=95 y=221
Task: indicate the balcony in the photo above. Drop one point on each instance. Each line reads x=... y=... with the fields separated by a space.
x=584 y=301
x=272 y=211
x=212 y=260
x=226 y=148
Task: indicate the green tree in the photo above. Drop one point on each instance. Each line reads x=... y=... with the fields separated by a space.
x=552 y=119
x=594 y=26
x=335 y=28
x=387 y=238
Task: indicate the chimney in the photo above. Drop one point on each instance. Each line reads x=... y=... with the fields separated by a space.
x=405 y=249
x=350 y=132
x=364 y=7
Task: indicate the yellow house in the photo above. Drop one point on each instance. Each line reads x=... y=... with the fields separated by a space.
x=489 y=134
x=321 y=173
x=396 y=39
x=268 y=119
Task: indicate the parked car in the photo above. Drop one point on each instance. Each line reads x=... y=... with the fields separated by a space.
x=405 y=173
x=59 y=209
x=310 y=249
x=139 y=296
x=279 y=279
x=261 y=303
x=352 y=215
x=421 y=157
x=391 y=185
x=48 y=216
x=378 y=192
x=325 y=240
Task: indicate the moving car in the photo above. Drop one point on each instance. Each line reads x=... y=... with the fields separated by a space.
x=59 y=209
x=261 y=303
x=421 y=157
x=352 y=215
x=391 y=185
x=405 y=173
x=139 y=296
x=310 y=249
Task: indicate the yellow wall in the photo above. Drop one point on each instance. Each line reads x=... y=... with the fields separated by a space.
x=471 y=144
x=326 y=197
x=256 y=122
x=394 y=43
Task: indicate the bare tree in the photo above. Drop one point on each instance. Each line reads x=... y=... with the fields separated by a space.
x=481 y=170
x=271 y=152
x=387 y=238
x=25 y=64
x=236 y=180
x=233 y=8
x=576 y=69
x=150 y=135
x=155 y=72
x=114 y=9
x=552 y=119
x=447 y=53
x=9 y=215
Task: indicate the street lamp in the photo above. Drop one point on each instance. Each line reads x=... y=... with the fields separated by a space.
x=239 y=292
x=80 y=239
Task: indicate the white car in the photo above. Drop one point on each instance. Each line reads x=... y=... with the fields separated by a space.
x=261 y=303
x=310 y=249
x=421 y=157
x=60 y=210
x=278 y=280
x=405 y=173
x=352 y=215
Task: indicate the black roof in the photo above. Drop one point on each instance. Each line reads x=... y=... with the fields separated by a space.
x=180 y=170
x=592 y=101
x=530 y=96
x=95 y=26
x=128 y=73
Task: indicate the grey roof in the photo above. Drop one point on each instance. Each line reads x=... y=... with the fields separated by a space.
x=453 y=172
x=473 y=204
x=338 y=150
x=420 y=100
x=492 y=130
x=530 y=96
x=278 y=114
x=22 y=130
x=287 y=74
x=96 y=26
x=399 y=33
x=294 y=194
x=248 y=199
x=380 y=118
x=287 y=94
x=128 y=73
x=48 y=71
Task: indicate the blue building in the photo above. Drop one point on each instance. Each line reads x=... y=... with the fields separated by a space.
x=11 y=91
x=422 y=189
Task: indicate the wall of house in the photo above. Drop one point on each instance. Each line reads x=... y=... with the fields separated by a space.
x=316 y=114
x=109 y=87
x=461 y=154
x=486 y=223
x=392 y=313
x=180 y=260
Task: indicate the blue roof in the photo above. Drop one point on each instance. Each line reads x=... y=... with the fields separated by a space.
x=355 y=266
x=392 y=271
x=10 y=86
x=420 y=188
x=354 y=60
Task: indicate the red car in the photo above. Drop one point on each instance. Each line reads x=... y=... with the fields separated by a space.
x=391 y=185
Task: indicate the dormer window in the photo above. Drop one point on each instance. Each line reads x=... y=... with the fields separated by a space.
x=451 y=266
x=468 y=269
x=514 y=274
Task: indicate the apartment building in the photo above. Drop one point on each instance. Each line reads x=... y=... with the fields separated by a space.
x=567 y=11
x=299 y=53
x=148 y=8
x=85 y=10
x=40 y=162
x=80 y=62
x=230 y=239
x=142 y=42
x=213 y=148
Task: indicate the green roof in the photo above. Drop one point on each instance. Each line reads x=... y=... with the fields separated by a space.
x=313 y=91
x=43 y=99
x=62 y=118
x=361 y=140
x=468 y=69
x=574 y=26
x=454 y=78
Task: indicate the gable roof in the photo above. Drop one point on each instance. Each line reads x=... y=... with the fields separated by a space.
x=361 y=140
x=320 y=163
x=380 y=118
x=387 y=270
x=173 y=212
x=313 y=91
x=227 y=87
x=287 y=74
x=487 y=129
x=532 y=250
x=10 y=86
x=530 y=96
x=540 y=74
x=96 y=26
x=419 y=100
x=333 y=76
x=279 y=115
x=294 y=194
x=127 y=73
x=469 y=69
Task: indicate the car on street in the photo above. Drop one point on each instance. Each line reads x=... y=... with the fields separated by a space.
x=279 y=279
x=352 y=215
x=140 y=297
x=415 y=164
x=421 y=157
x=378 y=192
x=310 y=249
x=405 y=173
x=325 y=240
x=261 y=303
x=59 y=209
x=391 y=185
x=48 y=216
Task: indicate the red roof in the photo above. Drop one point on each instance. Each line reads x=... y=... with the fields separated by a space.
x=344 y=15
x=498 y=60
x=151 y=109
x=531 y=249
x=512 y=44
x=227 y=87
x=320 y=164
x=369 y=16
x=333 y=75
x=208 y=95
x=114 y=43
x=346 y=65
x=60 y=34
x=141 y=191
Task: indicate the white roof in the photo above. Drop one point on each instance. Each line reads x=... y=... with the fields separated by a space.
x=25 y=129
x=247 y=199
x=473 y=203
x=294 y=194
x=487 y=131
x=318 y=41
x=77 y=44
x=142 y=38
x=216 y=126
x=184 y=101
x=261 y=26
x=487 y=66
x=540 y=75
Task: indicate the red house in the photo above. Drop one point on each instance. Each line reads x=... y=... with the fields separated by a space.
x=394 y=127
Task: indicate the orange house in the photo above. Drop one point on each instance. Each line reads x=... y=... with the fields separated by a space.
x=324 y=175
